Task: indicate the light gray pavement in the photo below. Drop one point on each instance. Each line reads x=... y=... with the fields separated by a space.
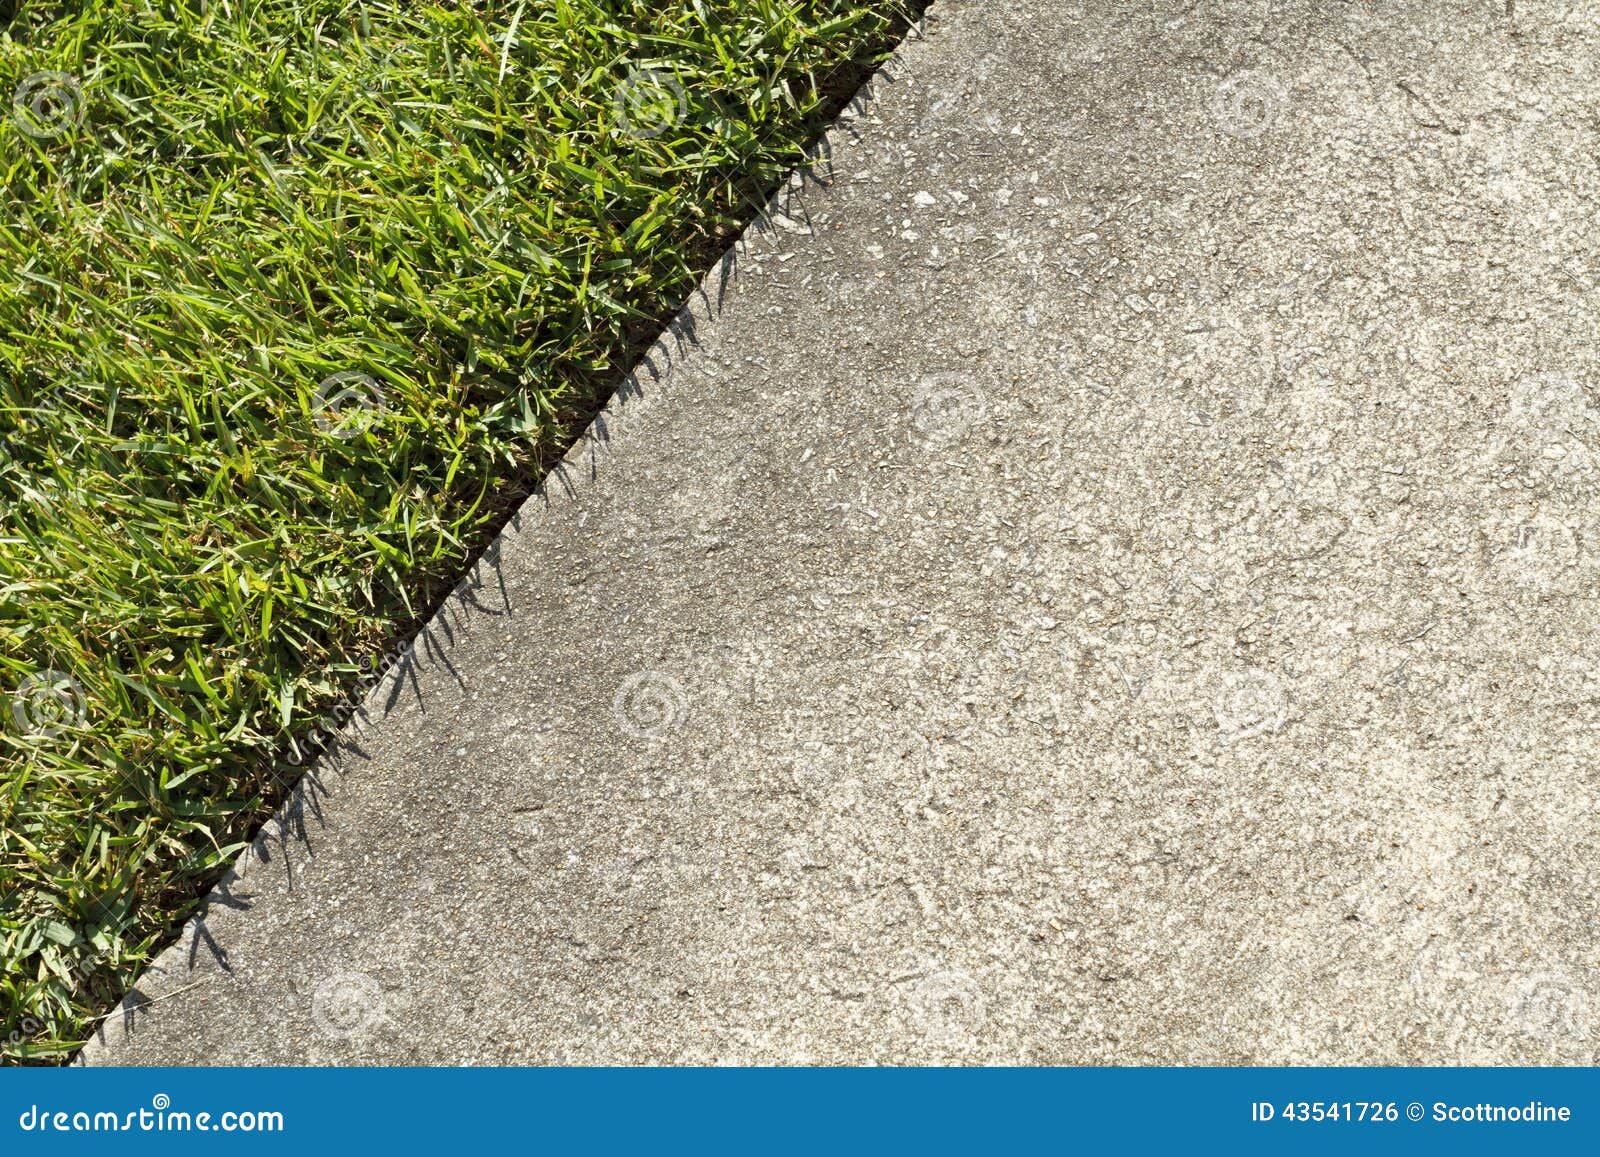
x=1112 y=580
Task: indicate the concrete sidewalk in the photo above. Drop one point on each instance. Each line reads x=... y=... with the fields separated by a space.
x=1110 y=578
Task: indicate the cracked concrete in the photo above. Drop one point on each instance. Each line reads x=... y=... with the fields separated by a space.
x=1110 y=579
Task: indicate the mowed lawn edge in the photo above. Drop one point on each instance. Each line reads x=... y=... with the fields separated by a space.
x=297 y=298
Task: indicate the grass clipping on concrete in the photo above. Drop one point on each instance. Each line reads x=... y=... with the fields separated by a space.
x=291 y=293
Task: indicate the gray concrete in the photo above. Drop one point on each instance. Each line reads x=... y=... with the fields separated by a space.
x=1110 y=580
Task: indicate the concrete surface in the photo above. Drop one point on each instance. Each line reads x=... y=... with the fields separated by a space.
x=1111 y=579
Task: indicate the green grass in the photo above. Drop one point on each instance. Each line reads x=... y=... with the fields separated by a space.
x=476 y=212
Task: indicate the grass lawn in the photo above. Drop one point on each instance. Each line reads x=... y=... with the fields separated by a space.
x=296 y=298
